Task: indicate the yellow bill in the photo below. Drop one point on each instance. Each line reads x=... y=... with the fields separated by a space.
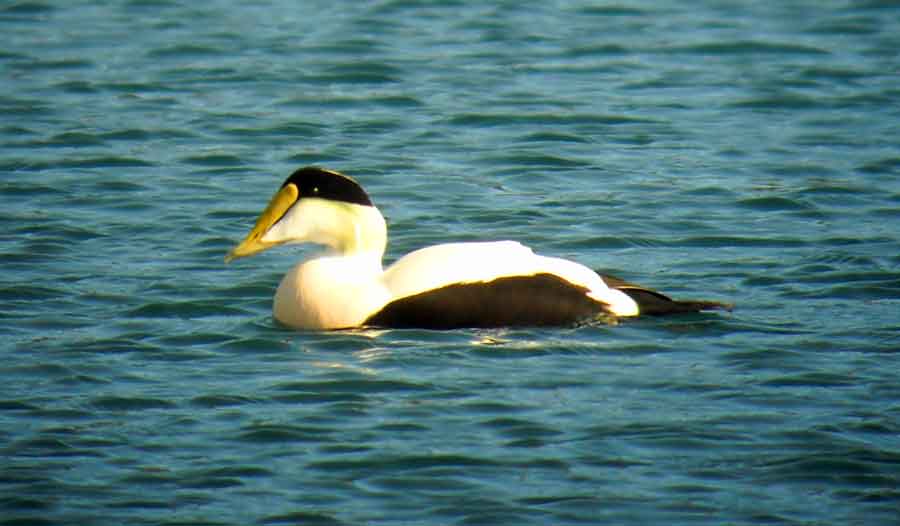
x=253 y=243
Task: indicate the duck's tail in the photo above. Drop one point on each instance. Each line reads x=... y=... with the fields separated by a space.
x=654 y=303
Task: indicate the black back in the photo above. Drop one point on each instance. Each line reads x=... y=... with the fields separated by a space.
x=517 y=301
x=313 y=181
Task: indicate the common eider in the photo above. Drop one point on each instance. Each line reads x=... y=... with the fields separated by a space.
x=453 y=285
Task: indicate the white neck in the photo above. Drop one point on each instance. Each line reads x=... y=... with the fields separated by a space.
x=341 y=288
x=347 y=229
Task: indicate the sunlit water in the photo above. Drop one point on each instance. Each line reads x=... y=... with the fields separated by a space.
x=739 y=153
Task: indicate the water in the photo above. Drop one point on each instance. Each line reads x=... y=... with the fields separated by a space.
x=738 y=153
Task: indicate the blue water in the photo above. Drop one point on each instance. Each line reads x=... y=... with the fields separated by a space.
x=743 y=153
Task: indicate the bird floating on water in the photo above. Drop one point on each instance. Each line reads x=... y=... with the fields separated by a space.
x=446 y=286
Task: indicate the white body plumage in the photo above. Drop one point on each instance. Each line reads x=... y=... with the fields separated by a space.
x=441 y=286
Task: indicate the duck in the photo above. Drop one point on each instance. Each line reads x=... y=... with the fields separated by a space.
x=454 y=285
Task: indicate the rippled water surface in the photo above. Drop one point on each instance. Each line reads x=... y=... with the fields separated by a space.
x=739 y=153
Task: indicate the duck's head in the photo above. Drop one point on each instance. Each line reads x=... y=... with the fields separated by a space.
x=315 y=205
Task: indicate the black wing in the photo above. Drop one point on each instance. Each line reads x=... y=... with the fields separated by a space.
x=523 y=301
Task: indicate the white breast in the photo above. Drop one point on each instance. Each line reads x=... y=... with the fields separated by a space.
x=330 y=293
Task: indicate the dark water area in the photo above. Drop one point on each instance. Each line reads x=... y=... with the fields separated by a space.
x=742 y=153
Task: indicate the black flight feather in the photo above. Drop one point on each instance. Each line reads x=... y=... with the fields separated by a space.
x=654 y=303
